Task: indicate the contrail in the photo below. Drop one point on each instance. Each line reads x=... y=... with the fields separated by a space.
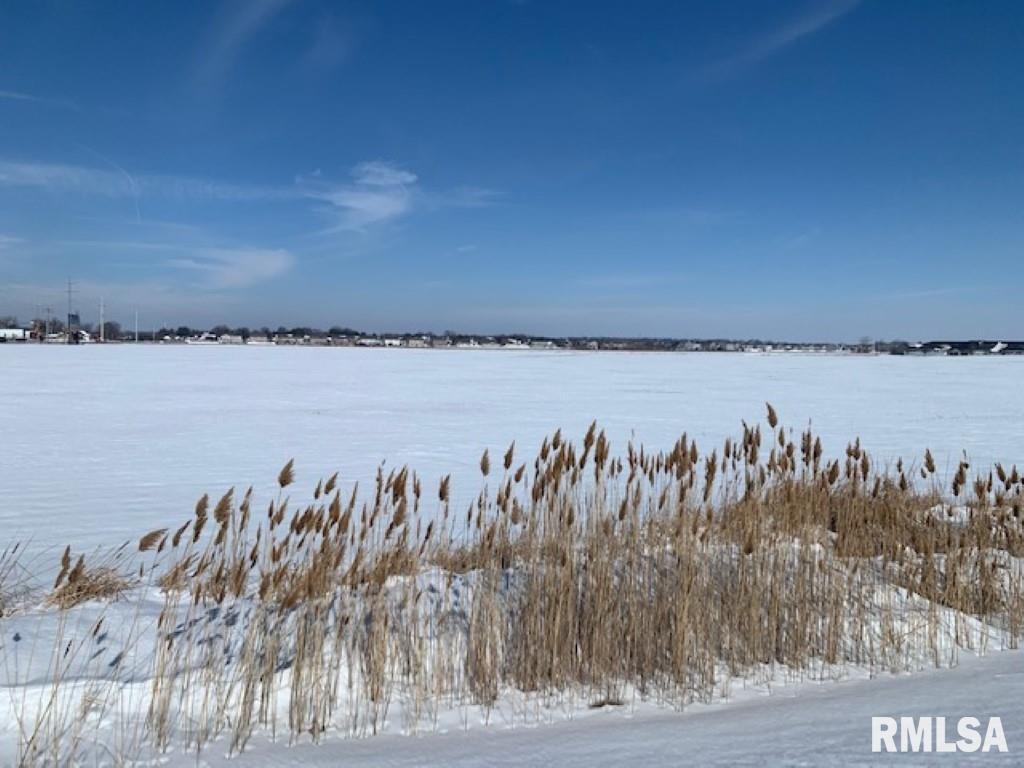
x=131 y=179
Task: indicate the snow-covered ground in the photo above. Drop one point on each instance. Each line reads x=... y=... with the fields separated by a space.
x=101 y=443
x=810 y=724
x=774 y=715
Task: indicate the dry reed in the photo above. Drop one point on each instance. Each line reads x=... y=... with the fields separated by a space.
x=580 y=575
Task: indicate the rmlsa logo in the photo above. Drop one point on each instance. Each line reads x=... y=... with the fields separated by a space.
x=929 y=734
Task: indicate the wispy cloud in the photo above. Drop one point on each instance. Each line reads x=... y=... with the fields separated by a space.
x=127 y=176
x=780 y=38
x=13 y=96
x=28 y=97
x=66 y=177
x=380 y=191
x=800 y=239
x=157 y=301
x=235 y=267
x=464 y=197
x=377 y=191
x=216 y=266
x=7 y=241
x=925 y=293
x=119 y=183
x=239 y=22
x=625 y=281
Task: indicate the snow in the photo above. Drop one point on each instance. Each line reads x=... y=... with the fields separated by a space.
x=808 y=724
x=101 y=443
x=104 y=443
x=817 y=716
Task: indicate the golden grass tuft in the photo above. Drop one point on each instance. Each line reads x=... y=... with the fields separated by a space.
x=83 y=584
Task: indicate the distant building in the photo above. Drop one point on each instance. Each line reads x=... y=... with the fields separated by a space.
x=206 y=338
x=13 y=334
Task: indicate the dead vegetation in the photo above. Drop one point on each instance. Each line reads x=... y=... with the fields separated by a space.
x=78 y=582
x=12 y=578
x=578 y=573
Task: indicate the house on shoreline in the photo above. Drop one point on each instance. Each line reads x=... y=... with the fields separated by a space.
x=14 y=335
x=971 y=348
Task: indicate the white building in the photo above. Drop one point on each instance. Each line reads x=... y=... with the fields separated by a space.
x=13 y=334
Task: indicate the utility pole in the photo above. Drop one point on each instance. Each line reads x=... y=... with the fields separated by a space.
x=67 y=330
x=103 y=336
x=136 y=326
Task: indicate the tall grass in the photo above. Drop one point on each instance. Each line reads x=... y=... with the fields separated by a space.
x=577 y=576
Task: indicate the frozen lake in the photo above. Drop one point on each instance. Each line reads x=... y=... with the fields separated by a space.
x=101 y=444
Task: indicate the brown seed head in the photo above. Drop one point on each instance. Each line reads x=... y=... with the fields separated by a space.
x=287 y=474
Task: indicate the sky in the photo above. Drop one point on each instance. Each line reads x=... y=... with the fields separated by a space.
x=804 y=171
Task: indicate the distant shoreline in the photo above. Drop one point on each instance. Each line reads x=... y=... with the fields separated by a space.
x=795 y=351
x=336 y=336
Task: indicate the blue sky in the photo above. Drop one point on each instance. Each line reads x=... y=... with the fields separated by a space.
x=798 y=170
